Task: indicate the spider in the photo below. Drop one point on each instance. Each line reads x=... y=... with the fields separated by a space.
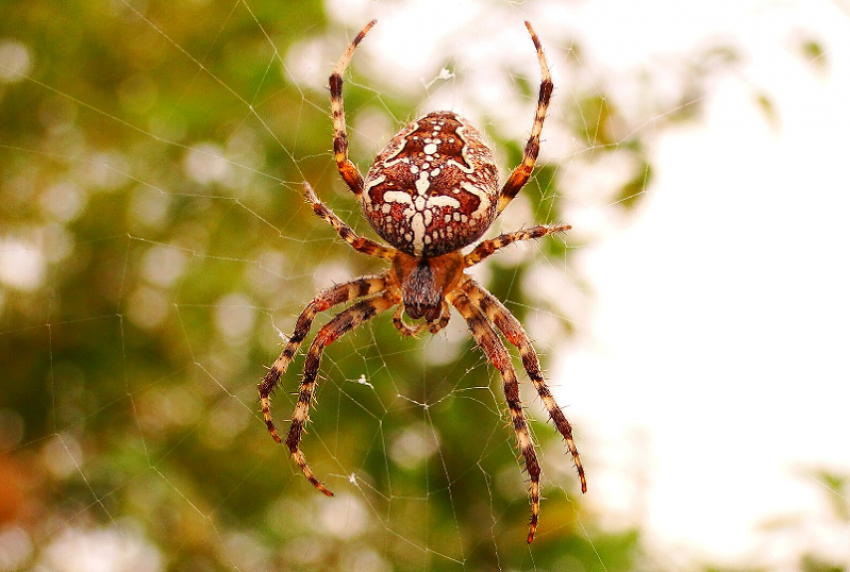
x=430 y=192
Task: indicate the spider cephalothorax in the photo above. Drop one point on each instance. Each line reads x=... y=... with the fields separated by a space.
x=430 y=192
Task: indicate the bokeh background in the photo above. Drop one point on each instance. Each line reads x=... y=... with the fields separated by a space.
x=155 y=251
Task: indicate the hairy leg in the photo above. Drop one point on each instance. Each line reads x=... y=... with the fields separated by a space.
x=497 y=354
x=358 y=243
x=515 y=334
x=324 y=300
x=520 y=175
x=340 y=325
x=350 y=174
x=488 y=247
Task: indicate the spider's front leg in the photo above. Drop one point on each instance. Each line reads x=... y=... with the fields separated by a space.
x=348 y=170
x=520 y=175
x=498 y=314
x=324 y=300
x=497 y=354
x=340 y=325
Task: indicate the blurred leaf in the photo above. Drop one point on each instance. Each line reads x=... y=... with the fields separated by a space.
x=633 y=191
x=767 y=107
x=814 y=564
x=838 y=486
x=595 y=123
x=815 y=55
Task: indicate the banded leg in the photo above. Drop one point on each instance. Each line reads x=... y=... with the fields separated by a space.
x=436 y=326
x=520 y=175
x=515 y=334
x=350 y=174
x=324 y=300
x=340 y=325
x=403 y=328
x=496 y=352
x=358 y=243
x=493 y=245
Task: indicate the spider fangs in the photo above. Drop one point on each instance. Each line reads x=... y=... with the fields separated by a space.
x=432 y=191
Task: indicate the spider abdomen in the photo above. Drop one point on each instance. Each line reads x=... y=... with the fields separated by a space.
x=434 y=188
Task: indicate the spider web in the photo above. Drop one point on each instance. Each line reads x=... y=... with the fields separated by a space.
x=160 y=252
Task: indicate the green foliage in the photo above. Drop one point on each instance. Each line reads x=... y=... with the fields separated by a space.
x=838 y=485
x=595 y=121
x=814 y=53
x=765 y=103
x=631 y=192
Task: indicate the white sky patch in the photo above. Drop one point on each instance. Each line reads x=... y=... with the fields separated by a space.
x=150 y=207
x=64 y=201
x=105 y=171
x=722 y=311
x=235 y=316
x=22 y=264
x=162 y=265
x=112 y=549
x=15 y=548
x=205 y=164
x=345 y=519
x=413 y=446
x=147 y=307
x=15 y=61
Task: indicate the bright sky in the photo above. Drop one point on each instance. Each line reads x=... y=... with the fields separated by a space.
x=722 y=316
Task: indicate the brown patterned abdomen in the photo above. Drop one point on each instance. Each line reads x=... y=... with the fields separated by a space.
x=434 y=187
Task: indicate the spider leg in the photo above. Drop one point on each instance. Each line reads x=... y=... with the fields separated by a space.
x=350 y=174
x=340 y=325
x=496 y=352
x=436 y=326
x=402 y=327
x=324 y=300
x=358 y=243
x=520 y=175
x=498 y=314
x=488 y=247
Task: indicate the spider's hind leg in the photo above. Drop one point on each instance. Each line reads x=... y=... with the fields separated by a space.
x=324 y=300
x=340 y=325
x=498 y=314
x=497 y=354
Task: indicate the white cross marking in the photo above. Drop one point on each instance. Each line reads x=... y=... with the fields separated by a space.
x=419 y=211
